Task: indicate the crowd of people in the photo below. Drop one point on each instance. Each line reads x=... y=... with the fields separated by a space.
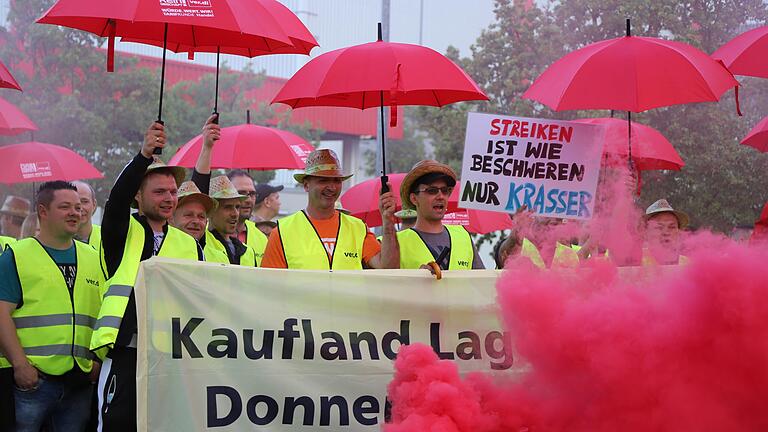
x=68 y=326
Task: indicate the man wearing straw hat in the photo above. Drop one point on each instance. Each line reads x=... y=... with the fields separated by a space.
x=12 y=215
x=426 y=189
x=662 y=234
x=191 y=216
x=149 y=185
x=321 y=237
x=222 y=222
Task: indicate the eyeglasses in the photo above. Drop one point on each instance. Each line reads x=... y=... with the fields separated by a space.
x=250 y=194
x=433 y=190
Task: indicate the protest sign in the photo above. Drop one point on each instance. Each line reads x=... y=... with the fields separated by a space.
x=550 y=166
x=241 y=349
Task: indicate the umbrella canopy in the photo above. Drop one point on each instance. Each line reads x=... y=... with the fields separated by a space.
x=758 y=136
x=631 y=73
x=745 y=54
x=479 y=221
x=249 y=147
x=39 y=162
x=7 y=80
x=650 y=149
x=13 y=121
x=362 y=199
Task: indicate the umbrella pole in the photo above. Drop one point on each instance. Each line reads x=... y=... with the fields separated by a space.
x=162 y=84
x=216 y=97
x=383 y=132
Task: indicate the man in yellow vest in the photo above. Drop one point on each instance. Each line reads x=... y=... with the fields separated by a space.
x=50 y=294
x=261 y=205
x=426 y=189
x=12 y=215
x=663 y=225
x=147 y=184
x=191 y=216
x=88 y=232
x=320 y=237
x=222 y=221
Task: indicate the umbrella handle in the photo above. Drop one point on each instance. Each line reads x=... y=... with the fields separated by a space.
x=216 y=119
x=158 y=150
x=384 y=185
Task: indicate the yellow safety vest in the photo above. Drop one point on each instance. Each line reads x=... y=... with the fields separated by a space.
x=53 y=328
x=95 y=239
x=217 y=250
x=304 y=249
x=649 y=260
x=5 y=241
x=414 y=252
x=176 y=244
x=565 y=256
x=256 y=240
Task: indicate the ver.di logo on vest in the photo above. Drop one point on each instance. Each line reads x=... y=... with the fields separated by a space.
x=93 y=282
x=351 y=255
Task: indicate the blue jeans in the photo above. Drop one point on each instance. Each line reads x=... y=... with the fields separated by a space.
x=61 y=405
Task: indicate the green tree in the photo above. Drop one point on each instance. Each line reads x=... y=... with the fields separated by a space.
x=403 y=153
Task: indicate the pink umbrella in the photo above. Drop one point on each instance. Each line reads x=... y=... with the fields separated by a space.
x=249 y=147
x=7 y=80
x=479 y=221
x=758 y=136
x=745 y=54
x=13 y=121
x=39 y=162
x=651 y=150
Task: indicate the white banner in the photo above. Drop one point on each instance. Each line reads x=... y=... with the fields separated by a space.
x=551 y=166
x=231 y=348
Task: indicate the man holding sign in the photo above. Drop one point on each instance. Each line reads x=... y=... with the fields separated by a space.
x=427 y=188
x=549 y=166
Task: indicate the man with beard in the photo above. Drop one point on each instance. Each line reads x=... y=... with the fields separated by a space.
x=50 y=293
x=662 y=234
x=222 y=222
x=258 y=205
x=88 y=232
x=427 y=188
x=191 y=216
x=322 y=238
x=147 y=184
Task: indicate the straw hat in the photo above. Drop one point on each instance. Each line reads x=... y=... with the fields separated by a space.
x=662 y=206
x=178 y=173
x=421 y=169
x=15 y=206
x=188 y=191
x=406 y=214
x=322 y=163
x=222 y=188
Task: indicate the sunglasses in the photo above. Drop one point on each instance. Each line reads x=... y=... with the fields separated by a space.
x=250 y=194
x=433 y=190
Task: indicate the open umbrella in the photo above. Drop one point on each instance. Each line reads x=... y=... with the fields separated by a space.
x=631 y=74
x=758 y=136
x=652 y=150
x=379 y=74
x=13 y=121
x=479 y=221
x=249 y=147
x=746 y=53
x=7 y=80
x=205 y=23
x=362 y=199
x=39 y=162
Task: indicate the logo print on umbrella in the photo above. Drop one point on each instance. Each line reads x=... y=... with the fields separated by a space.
x=300 y=152
x=35 y=169
x=181 y=8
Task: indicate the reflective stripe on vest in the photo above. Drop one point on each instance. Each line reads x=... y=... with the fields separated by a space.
x=565 y=256
x=414 y=252
x=256 y=239
x=305 y=250
x=53 y=328
x=217 y=248
x=176 y=244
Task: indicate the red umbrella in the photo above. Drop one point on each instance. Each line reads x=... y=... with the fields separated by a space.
x=39 y=162
x=479 y=221
x=652 y=151
x=249 y=147
x=7 y=80
x=252 y=24
x=758 y=136
x=379 y=74
x=745 y=54
x=362 y=199
x=13 y=121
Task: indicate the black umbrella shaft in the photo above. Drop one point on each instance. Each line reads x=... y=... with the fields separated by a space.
x=162 y=75
x=629 y=138
x=216 y=98
x=384 y=179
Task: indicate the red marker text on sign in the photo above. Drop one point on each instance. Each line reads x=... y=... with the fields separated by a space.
x=525 y=129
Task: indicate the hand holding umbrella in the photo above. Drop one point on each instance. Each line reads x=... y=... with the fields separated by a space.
x=154 y=140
